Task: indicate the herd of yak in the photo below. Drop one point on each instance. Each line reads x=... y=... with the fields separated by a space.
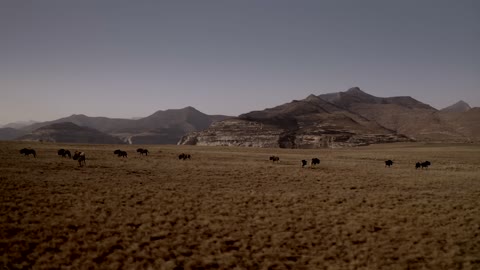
x=80 y=156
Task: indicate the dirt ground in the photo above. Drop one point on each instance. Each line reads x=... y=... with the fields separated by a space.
x=232 y=208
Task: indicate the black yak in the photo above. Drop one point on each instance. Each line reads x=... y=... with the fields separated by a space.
x=274 y=158
x=27 y=152
x=425 y=164
x=120 y=153
x=64 y=153
x=304 y=163
x=315 y=161
x=142 y=151
x=388 y=163
x=184 y=156
x=422 y=164
x=80 y=156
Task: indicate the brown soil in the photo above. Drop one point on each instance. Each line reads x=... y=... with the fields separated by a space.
x=232 y=208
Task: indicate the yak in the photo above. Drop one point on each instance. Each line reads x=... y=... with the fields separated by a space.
x=425 y=164
x=274 y=158
x=27 y=152
x=184 y=156
x=304 y=163
x=422 y=164
x=80 y=156
x=64 y=153
x=315 y=161
x=120 y=153
x=388 y=163
x=142 y=151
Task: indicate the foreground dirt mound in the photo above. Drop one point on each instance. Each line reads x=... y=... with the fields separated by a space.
x=232 y=208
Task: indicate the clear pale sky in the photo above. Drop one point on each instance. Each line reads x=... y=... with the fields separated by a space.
x=126 y=59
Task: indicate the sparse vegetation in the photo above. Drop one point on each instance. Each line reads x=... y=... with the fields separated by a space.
x=232 y=208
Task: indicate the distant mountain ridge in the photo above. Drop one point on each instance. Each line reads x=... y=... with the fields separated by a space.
x=161 y=127
x=68 y=132
x=19 y=124
x=338 y=119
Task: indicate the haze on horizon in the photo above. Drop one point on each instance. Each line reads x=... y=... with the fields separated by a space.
x=125 y=59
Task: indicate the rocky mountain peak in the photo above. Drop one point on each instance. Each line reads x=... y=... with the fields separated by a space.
x=355 y=90
x=460 y=106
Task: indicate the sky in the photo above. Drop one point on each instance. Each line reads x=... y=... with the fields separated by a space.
x=125 y=59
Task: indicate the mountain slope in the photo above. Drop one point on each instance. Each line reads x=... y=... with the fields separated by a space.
x=68 y=132
x=7 y=134
x=404 y=115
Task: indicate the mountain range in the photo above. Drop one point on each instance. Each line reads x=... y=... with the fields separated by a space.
x=162 y=127
x=339 y=119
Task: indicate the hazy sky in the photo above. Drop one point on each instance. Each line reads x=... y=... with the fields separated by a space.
x=127 y=59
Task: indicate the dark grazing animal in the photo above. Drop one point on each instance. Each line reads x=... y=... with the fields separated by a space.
x=388 y=163
x=184 y=156
x=27 y=152
x=422 y=164
x=142 y=151
x=315 y=161
x=64 y=153
x=120 y=153
x=304 y=163
x=80 y=156
x=425 y=164
x=274 y=158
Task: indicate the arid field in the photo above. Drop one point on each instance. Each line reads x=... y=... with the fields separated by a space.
x=232 y=208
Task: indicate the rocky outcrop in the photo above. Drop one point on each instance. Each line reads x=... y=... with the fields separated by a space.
x=236 y=132
x=245 y=133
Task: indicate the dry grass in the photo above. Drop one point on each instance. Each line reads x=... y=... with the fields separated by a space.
x=230 y=208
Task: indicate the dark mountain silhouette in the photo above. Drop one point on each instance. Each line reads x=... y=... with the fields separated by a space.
x=162 y=127
x=339 y=119
x=68 y=132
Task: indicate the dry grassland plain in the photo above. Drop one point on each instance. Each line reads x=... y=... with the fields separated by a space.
x=232 y=208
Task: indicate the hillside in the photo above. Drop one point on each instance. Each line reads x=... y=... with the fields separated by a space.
x=68 y=132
